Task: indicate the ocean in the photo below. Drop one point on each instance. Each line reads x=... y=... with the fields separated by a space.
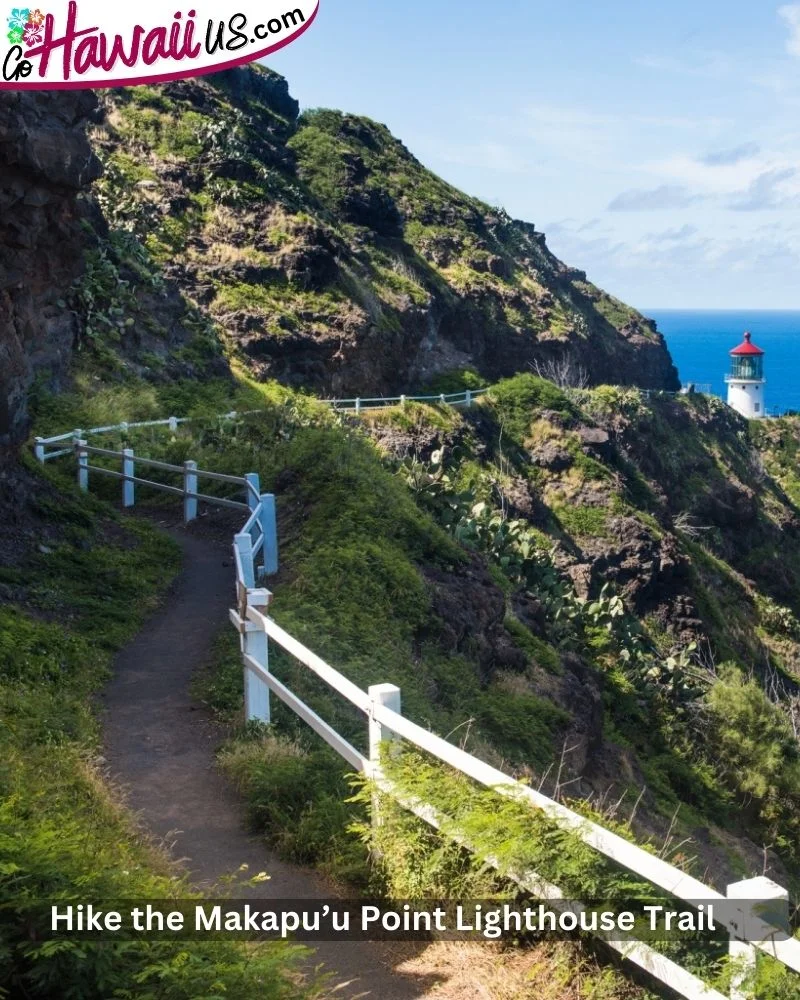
x=699 y=341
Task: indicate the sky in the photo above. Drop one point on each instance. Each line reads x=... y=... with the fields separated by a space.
x=656 y=145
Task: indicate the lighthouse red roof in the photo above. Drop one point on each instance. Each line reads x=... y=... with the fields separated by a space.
x=746 y=347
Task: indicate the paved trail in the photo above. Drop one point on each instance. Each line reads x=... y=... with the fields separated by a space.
x=161 y=743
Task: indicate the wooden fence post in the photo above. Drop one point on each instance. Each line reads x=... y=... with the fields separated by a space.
x=403 y=401
x=389 y=696
x=358 y=405
x=763 y=908
x=128 y=496
x=83 y=465
x=189 y=488
x=254 y=644
x=269 y=526
x=253 y=490
x=38 y=449
x=244 y=547
x=173 y=423
x=468 y=398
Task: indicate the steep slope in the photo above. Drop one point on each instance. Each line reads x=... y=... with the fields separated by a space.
x=686 y=690
x=330 y=257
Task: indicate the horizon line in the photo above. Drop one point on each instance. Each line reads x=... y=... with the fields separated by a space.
x=729 y=309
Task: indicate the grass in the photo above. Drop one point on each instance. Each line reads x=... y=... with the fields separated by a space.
x=515 y=402
x=583 y=521
x=170 y=136
x=298 y=798
x=64 y=837
x=285 y=308
x=541 y=652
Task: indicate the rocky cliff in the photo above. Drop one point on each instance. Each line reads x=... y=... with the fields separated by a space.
x=314 y=247
x=329 y=257
x=46 y=162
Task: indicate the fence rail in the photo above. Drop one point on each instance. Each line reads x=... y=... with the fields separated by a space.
x=381 y=705
x=255 y=550
x=357 y=404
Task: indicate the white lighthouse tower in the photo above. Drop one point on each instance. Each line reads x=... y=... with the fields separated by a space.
x=746 y=380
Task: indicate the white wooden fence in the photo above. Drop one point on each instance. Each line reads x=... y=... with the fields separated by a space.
x=256 y=553
x=381 y=704
x=46 y=448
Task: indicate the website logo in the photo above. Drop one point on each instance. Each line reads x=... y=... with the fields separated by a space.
x=89 y=43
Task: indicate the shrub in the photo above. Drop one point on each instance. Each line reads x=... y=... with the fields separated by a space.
x=753 y=740
x=516 y=400
x=523 y=726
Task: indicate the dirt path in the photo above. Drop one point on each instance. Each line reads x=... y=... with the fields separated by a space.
x=161 y=745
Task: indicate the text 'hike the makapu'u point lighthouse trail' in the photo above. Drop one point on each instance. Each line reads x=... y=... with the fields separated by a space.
x=381 y=614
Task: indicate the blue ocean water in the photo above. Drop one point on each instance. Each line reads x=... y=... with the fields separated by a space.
x=699 y=341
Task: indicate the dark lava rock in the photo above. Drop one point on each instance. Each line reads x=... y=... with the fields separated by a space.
x=551 y=456
x=45 y=163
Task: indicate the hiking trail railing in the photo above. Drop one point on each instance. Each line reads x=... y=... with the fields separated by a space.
x=756 y=914
x=44 y=446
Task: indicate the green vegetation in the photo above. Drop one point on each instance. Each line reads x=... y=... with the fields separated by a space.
x=355 y=591
x=170 y=135
x=485 y=842
x=285 y=307
x=541 y=652
x=457 y=380
x=418 y=860
x=583 y=521
x=367 y=538
x=516 y=400
x=298 y=796
x=758 y=751
x=352 y=234
x=63 y=836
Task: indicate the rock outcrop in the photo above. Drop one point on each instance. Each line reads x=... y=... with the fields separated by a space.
x=331 y=258
x=46 y=162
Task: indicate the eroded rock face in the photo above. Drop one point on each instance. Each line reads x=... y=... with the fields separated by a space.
x=469 y=609
x=45 y=163
x=332 y=259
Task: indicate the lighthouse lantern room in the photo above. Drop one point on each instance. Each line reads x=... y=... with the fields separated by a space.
x=746 y=379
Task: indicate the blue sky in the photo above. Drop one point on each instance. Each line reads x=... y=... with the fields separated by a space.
x=657 y=145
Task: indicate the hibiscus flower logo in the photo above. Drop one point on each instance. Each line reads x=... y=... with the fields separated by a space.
x=32 y=34
x=25 y=25
x=16 y=24
x=18 y=18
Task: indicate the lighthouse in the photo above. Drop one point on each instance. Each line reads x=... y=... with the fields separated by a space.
x=746 y=379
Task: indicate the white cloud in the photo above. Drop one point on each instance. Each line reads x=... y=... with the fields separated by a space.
x=684 y=265
x=721 y=179
x=790 y=13
x=768 y=191
x=677 y=235
x=728 y=157
x=667 y=196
